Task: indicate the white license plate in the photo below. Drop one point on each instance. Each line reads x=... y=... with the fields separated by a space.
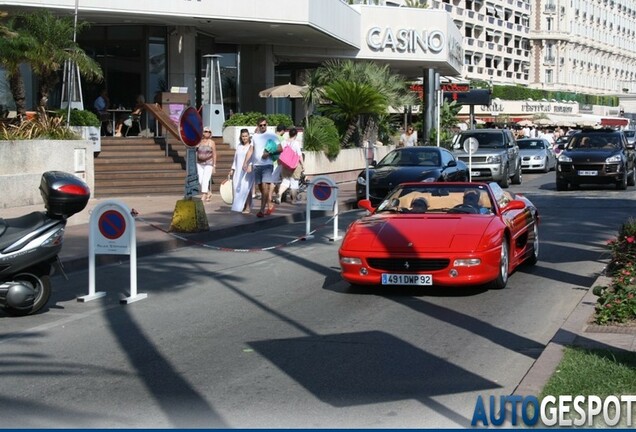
x=406 y=279
x=474 y=173
x=588 y=173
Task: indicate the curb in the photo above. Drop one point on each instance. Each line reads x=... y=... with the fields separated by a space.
x=150 y=247
x=575 y=331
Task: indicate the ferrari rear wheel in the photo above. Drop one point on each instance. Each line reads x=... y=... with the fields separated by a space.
x=534 y=258
x=504 y=262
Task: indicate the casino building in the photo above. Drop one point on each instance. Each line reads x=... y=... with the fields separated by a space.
x=149 y=47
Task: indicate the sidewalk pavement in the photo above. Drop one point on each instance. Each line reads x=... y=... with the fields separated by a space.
x=155 y=215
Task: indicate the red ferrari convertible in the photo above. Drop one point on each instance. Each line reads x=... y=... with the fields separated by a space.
x=447 y=234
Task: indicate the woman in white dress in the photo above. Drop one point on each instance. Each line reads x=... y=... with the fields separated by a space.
x=241 y=174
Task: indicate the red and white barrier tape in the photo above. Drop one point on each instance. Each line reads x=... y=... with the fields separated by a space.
x=226 y=249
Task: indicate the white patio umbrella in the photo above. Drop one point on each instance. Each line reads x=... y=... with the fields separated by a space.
x=525 y=123
x=544 y=122
x=288 y=90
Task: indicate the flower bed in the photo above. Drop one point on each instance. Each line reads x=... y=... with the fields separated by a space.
x=617 y=301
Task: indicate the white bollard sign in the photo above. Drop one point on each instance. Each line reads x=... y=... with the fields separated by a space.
x=112 y=232
x=322 y=195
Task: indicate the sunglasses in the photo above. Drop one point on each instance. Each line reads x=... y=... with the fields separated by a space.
x=263 y=125
x=207 y=131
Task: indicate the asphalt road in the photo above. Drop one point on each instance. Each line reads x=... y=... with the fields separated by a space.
x=275 y=339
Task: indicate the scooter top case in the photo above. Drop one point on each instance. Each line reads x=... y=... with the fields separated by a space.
x=64 y=194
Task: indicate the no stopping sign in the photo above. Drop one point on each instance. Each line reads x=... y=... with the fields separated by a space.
x=322 y=194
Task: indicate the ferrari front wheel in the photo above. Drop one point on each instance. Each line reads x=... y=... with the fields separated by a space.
x=504 y=262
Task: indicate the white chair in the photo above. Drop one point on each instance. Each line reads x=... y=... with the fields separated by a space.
x=131 y=121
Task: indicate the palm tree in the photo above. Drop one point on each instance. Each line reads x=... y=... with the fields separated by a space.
x=350 y=101
x=420 y=4
x=313 y=93
x=54 y=45
x=13 y=49
x=336 y=80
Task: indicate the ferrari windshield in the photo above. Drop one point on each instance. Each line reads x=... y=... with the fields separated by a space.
x=451 y=198
x=412 y=156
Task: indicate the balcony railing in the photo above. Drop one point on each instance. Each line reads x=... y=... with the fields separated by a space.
x=550 y=8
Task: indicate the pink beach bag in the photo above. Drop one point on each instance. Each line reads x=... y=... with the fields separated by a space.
x=289 y=158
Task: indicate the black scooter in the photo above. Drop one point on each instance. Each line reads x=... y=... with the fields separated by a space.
x=30 y=244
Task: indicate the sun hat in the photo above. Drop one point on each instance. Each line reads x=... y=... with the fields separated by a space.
x=227 y=191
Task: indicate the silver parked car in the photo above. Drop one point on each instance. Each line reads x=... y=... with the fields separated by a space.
x=536 y=154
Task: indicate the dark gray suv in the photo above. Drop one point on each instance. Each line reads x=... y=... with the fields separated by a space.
x=496 y=159
x=596 y=156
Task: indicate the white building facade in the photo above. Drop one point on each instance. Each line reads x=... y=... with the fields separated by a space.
x=149 y=47
x=585 y=46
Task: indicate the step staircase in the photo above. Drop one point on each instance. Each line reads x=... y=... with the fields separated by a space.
x=128 y=166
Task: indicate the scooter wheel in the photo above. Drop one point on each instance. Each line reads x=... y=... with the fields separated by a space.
x=41 y=284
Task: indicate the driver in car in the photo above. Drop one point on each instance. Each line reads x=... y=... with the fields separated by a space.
x=419 y=205
x=471 y=199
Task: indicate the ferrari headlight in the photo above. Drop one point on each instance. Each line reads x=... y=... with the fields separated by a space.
x=564 y=158
x=351 y=260
x=362 y=181
x=493 y=159
x=467 y=262
x=613 y=159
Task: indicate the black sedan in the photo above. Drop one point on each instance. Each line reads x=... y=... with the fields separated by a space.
x=596 y=157
x=409 y=164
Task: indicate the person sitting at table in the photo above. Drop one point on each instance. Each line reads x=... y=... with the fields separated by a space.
x=134 y=116
x=100 y=106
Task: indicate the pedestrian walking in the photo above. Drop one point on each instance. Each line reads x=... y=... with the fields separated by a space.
x=242 y=175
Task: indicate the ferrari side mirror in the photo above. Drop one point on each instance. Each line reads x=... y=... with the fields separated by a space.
x=514 y=205
x=366 y=204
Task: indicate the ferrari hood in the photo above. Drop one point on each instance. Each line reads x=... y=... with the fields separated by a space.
x=428 y=233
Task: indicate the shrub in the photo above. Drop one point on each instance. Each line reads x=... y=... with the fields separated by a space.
x=320 y=134
x=80 y=117
x=251 y=119
x=243 y=119
x=276 y=119
x=41 y=127
x=617 y=302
